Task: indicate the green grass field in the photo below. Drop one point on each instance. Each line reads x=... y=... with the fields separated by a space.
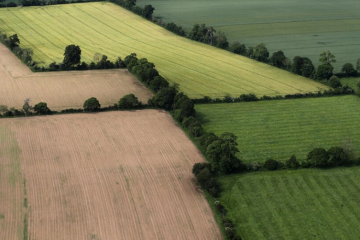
x=351 y=82
x=281 y=128
x=108 y=29
x=300 y=204
x=303 y=27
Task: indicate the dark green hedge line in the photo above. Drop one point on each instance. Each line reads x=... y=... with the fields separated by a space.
x=343 y=90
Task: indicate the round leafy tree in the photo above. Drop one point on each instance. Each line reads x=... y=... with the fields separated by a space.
x=72 y=55
x=92 y=104
x=128 y=102
x=318 y=157
x=42 y=108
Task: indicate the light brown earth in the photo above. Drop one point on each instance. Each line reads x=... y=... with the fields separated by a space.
x=113 y=175
x=61 y=90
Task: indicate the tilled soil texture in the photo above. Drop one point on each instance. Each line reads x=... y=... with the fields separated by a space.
x=62 y=90
x=112 y=175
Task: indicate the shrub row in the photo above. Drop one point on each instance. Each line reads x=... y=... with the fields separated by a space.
x=13 y=43
x=343 y=90
x=145 y=12
x=316 y=158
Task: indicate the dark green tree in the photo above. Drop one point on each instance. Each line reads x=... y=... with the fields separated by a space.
x=327 y=58
x=348 y=69
x=318 y=157
x=292 y=163
x=222 y=153
x=72 y=55
x=175 y=29
x=129 y=4
x=200 y=166
x=203 y=177
x=303 y=66
x=297 y=65
x=129 y=58
x=261 y=53
x=193 y=125
x=335 y=82
x=271 y=164
x=221 y=40
x=148 y=11
x=92 y=104
x=206 y=139
x=324 y=71
x=158 y=83
x=119 y=63
x=128 y=102
x=237 y=48
x=307 y=68
x=103 y=61
x=277 y=59
x=164 y=98
x=199 y=33
x=42 y=108
x=14 y=41
x=337 y=156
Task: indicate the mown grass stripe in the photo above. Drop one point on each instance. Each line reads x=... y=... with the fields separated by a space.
x=303 y=204
x=281 y=128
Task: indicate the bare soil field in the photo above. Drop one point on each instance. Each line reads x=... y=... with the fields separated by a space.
x=61 y=90
x=114 y=175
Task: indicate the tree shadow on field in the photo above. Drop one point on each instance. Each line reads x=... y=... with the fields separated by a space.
x=202 y=117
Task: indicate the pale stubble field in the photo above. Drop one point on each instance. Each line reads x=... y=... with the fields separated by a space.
x=62 y=90
x=114 y=175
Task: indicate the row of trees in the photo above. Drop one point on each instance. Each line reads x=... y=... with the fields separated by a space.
x=208 y=35
x=13 y=43
x=316 y=158
x=92 y=104
x=146 y=12
x=27 y=110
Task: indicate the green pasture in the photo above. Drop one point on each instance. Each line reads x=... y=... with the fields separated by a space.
x=351 y=82
x=108 y=29
x=305 y=27
x=298 y=204
x=280 y=128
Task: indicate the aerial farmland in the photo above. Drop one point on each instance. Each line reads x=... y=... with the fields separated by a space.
x=200 y=70
x=135 y=120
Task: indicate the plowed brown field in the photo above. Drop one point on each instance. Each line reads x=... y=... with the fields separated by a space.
x=114 y=175
x=61 y=90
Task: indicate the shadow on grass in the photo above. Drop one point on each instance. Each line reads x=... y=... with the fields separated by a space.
x=202 y=118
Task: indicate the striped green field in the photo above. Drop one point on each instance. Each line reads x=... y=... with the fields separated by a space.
x=281 y=128
x=303 y=27
x=105 y=28
x=300 y=204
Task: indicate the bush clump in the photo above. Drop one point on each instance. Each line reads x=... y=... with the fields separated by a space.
x=129 y=101
x=271 y=164
x=91 y=105
x=292 y=163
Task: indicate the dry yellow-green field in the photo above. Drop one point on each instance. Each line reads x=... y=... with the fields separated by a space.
x=108 y=29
